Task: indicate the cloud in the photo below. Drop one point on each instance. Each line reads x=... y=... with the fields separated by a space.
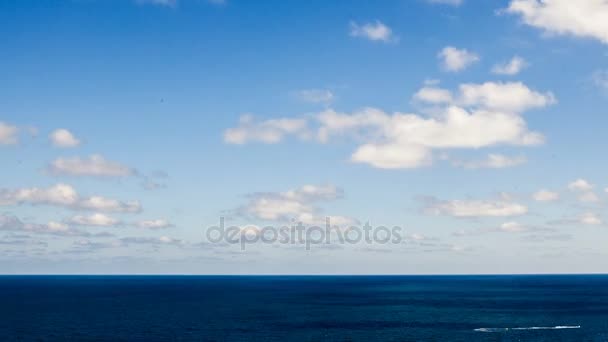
x=500 y=96
x=433 y=95
x=373 y=31
x=509 y=96
x=513 y=67
x=322 y=96
x=584 y=18
x=96 y=219
x=455 y=60
x=163 y=240
x=475 y=208
x=297 y=204
x=12 y=223
x=63 y=195
x=63 y=138
x=268 y=131
x=580 y=185
x=153 y=224
x=545 y=196
x=590 y=219
x=584 y=190
x=479 y=115
x=8 y=134
x=493 y=161
x=93 y=166
x=446 y=2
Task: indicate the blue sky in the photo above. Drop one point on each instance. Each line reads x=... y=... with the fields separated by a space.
x=127 y=128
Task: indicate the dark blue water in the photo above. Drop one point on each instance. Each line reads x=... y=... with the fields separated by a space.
x=385 y=308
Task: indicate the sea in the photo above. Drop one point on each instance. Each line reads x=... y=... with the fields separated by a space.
x=304 y=308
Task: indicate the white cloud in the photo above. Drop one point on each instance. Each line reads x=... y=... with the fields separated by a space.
x=163 y=240
x=584 y=190
x=480 y=115
x=476 y=208
x=12 y=223
x=323 y=96
x=64 y=195
x=493 y=161
x=95 y=166
x=446 y=2
x=268 y=132
x=580 y=185
x=433 y=95
x=373 y=31
x=510 y=96
x=580 y=18
x=512 y=227
x=154 y=224
x=454 y=59
x=96 y=219
x=63 y=138
x=512 y=67
x=590 y=219
x=545 y=196
x=8 y=134
x=297 y=204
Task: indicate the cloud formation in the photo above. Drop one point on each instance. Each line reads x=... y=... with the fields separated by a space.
x=322 y=96
x=475 y=208
x=268 y=131
x=545 y=196
x=493 y=161
x=63 y=195
x=63 y=138
x=93 y=166
x=375 y=31
x=582 y=18
x=454 y=59
x=510 y=68
x=297 y=204
x=8 y=134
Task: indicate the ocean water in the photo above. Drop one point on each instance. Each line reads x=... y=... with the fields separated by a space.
x=304 y=308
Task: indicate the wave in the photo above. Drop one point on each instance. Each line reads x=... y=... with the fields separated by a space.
x=528 y=328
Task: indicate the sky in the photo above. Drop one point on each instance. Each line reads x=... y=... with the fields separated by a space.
x=468 y=134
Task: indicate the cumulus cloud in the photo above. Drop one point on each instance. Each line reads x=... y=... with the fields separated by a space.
x=584 y=18
x=584 y=189
x=478 y=115
x=63 y=195
x=475 y=208
x=268 y=131
x=12 y=223
x=93 y=166
x=322 y=96
x=545 y=196
x=63 y=138
x=153 y=224
x=493 y=161
x=454 y=59
x=96 y=219
x=297 y=204
x=512 y=67
x=8 y=134
x=373 y=31
x=500 y=96
x=155 y=241
x=590 y=219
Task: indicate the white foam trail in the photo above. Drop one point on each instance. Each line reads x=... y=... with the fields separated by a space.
x=528 y=328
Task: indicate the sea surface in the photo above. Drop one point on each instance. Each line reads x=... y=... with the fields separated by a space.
x=304 y=308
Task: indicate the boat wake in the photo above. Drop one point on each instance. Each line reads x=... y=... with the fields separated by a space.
x=528 y=328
